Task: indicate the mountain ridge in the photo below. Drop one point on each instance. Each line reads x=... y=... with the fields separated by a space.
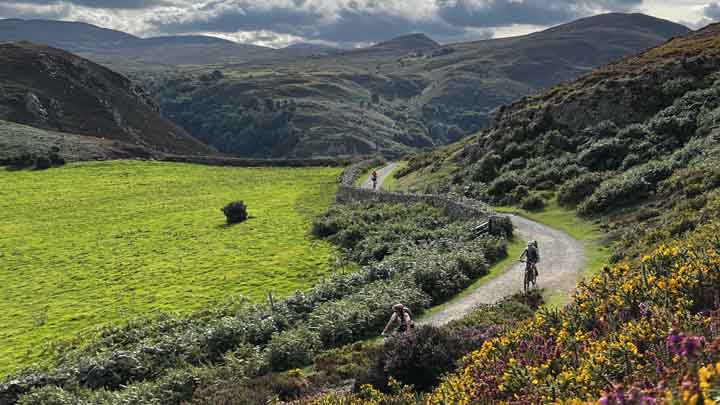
x=390 y=99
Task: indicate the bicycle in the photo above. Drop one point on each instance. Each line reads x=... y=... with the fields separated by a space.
x=530 y=275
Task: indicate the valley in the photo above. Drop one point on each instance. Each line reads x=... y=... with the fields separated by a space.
x=123 y=282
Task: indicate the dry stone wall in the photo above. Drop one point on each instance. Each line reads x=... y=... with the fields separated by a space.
x=454 y=207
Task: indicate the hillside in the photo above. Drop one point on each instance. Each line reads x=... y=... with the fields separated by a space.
x=123 y=51
x=634 y=147
x=395 y=97
x=656 y=108
x=51 y=89
x=20 y=144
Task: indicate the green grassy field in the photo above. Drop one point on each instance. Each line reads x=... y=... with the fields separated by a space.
x=90 y=244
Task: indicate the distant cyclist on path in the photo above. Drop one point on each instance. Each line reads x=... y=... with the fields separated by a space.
x=401 y=315
x=374 y=179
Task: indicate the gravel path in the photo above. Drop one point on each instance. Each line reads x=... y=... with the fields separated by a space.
x=382 y=175
x=562 y=259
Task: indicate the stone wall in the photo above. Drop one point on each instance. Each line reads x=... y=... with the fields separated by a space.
x=452 y=207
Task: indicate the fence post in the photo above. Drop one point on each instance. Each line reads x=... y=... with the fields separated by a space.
x=272 y=302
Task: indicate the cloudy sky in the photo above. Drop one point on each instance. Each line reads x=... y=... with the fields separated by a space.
x=345 y=22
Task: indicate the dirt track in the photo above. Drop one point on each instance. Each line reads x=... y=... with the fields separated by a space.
x=562 y=260
x=382 y=175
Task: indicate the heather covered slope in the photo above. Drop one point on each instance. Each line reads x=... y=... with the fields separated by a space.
x=55 y=90
x=635 y=147
x=655 y=112
x=20 y=145
x=397 y=96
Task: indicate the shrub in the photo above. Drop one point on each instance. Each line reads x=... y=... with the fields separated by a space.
x=577 y=190
x=501 y=226
x=365 y=312
x=420 y=357
x=553 y=141
x=520 y=193
x=294 y=348
x=604 y=129
x=533 y=203
x=627 y=188
x=487 y=168
x=634 y=131
x=503 y=185
x=606 y=154
x=235 y=212
x=678 y=87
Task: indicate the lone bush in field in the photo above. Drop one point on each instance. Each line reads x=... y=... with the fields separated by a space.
x=235 y=212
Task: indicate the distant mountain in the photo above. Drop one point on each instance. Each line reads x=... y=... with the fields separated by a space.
x=52 y=89
x=311 y=47
x=302 y=49
x=120 y=49
x=397 y=96
x=407 y=43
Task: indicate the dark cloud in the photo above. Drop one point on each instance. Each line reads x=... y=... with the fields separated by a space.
x=334 y=21
x=217 y=18
x=498 y=13
x=712 y=11
x=99 y=4
x=367 y=22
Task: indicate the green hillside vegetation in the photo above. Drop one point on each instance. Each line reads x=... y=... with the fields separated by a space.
x=635 y=147
x=408 y=253
x=396 y=97
x=101 y=243
x=20 y=145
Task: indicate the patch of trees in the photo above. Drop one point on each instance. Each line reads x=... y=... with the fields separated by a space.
x=230 y=120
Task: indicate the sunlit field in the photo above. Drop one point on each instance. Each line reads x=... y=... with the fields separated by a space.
x=96 y=243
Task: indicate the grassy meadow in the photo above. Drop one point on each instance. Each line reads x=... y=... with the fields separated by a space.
x=90 y=244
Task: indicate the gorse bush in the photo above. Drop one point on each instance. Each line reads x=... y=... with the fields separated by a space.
x=533 y=203
x=577 y=190
x=235 y=212
x=294 y=348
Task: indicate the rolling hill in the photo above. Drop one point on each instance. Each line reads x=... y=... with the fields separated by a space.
x=394 y=97
x=630 y=141
x=123 y=51
x=54 y=90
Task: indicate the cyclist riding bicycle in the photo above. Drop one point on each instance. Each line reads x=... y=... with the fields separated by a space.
x=402 y=316
x=531 y=254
